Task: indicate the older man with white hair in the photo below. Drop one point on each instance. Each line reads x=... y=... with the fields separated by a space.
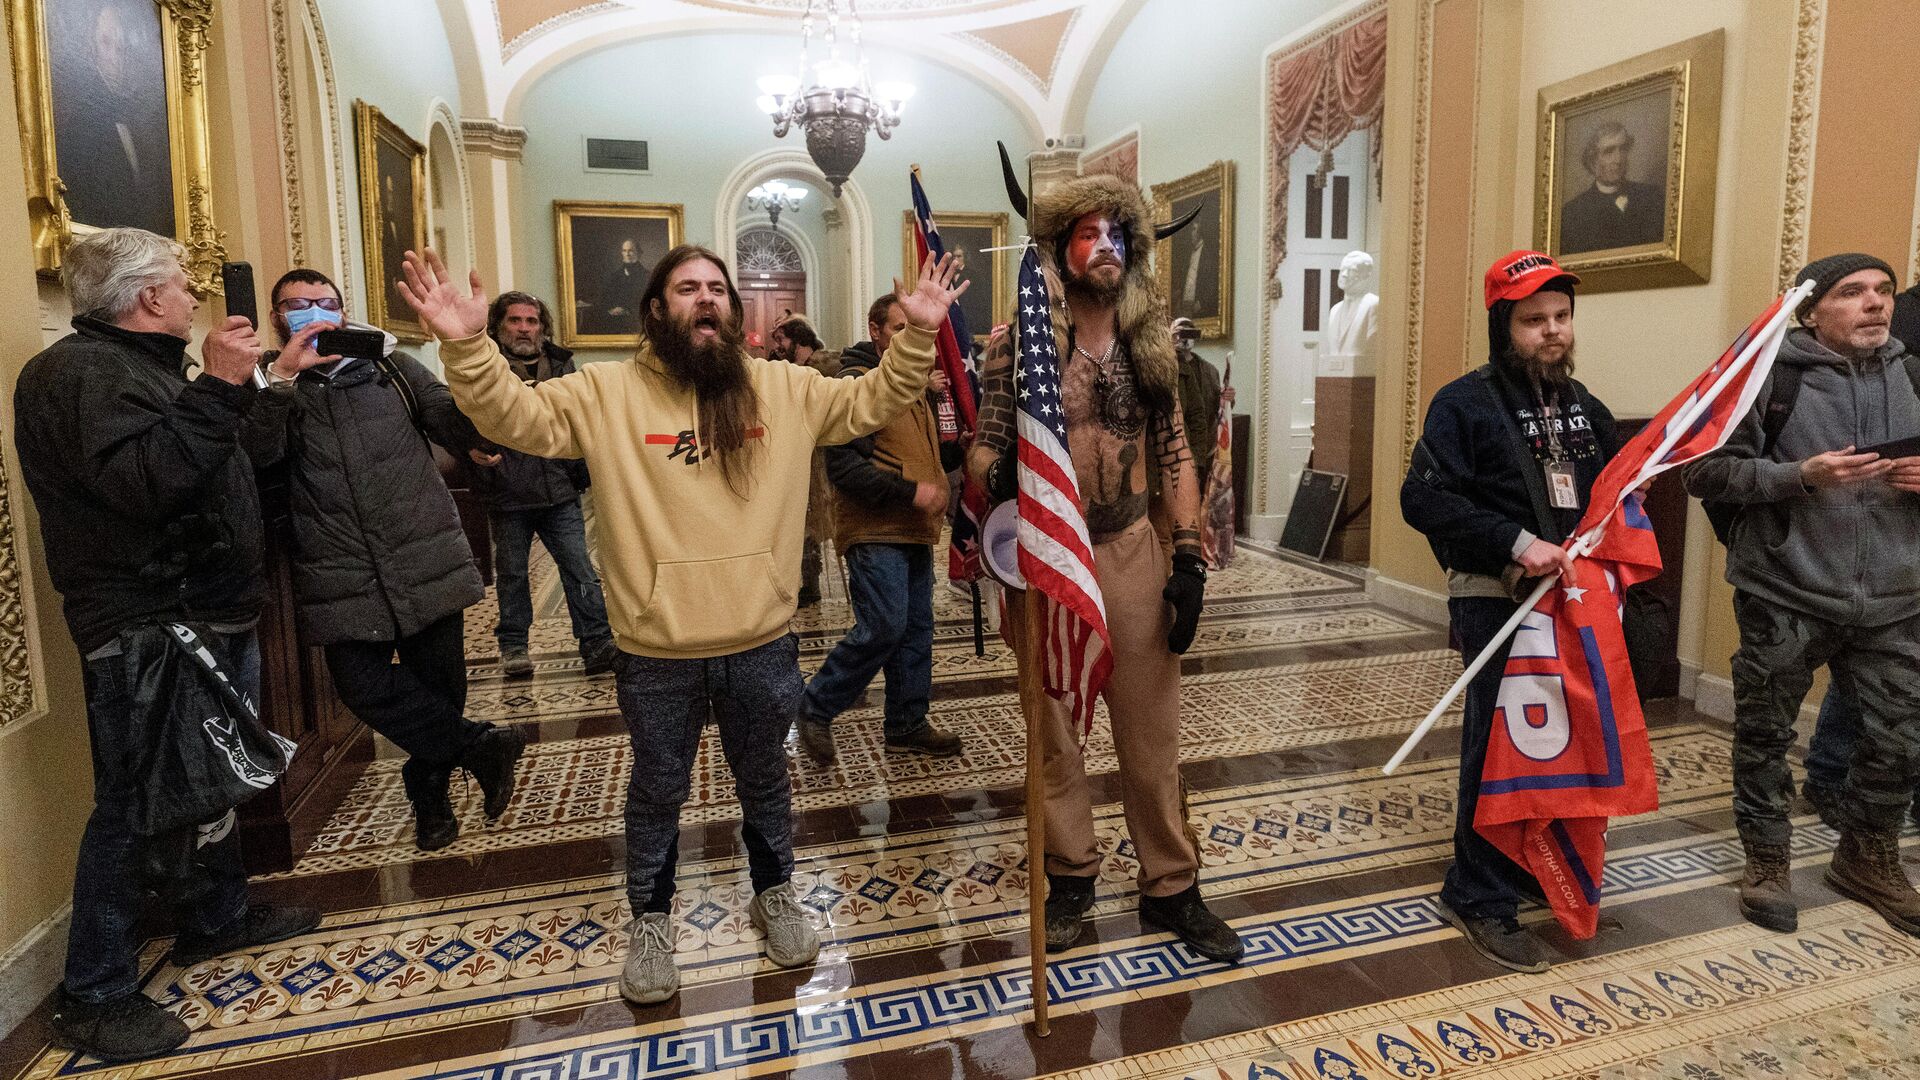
x=148 y=515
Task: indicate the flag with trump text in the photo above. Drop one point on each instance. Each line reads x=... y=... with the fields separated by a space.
x=1569 y=744
x=1055 y=553
x=952 y=349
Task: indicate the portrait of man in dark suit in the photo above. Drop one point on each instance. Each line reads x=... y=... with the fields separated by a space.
x=1196 y=261
x=1615 y=210
x=107 y=63
x=615 y=308
x=607 y=253
x=399 y=229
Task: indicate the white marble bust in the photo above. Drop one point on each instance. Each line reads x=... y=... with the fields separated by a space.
x=1352 y=322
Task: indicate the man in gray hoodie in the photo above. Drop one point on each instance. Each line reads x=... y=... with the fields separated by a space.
x=1824 y=558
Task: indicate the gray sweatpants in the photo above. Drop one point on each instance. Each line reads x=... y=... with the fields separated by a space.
x=1780 y=649
x=752 y=695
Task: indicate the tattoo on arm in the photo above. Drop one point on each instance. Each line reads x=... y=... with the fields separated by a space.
x=995 y=433
x=1179 y=484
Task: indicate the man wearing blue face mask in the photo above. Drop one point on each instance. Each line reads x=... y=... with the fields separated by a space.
x=381 y=564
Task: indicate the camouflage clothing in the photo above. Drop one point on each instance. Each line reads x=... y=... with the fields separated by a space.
x=1780 y=648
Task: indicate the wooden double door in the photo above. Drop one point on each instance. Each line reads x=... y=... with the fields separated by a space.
x=769 y=298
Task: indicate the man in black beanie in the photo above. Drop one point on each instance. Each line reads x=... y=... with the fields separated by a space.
x=1499 y=480
x=1824 y=559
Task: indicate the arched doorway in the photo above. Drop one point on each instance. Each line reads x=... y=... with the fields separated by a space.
x=772 y=276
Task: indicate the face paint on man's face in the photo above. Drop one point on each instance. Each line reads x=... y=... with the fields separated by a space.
x=1098 y=240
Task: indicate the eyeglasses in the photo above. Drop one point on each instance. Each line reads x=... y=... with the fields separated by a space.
x=301 y=303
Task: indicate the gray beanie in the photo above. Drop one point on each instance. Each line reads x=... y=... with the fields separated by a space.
x=1830 y=271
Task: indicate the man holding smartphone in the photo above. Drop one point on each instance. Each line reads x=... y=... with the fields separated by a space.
x=1824 y=559
x=381 y=563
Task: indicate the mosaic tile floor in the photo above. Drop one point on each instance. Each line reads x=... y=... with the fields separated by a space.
x=498 y=957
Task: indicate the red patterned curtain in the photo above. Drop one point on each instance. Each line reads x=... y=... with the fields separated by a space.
x=1316 y=96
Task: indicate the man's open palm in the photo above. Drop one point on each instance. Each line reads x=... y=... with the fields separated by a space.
x=443 y=307
x=926 y=306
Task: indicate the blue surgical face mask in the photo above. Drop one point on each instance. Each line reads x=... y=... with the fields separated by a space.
x=299 y=320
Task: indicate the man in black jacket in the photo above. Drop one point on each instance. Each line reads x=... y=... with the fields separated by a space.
x=381 y=563
x=1500 y=478
x=148 y=515
x=529 y=495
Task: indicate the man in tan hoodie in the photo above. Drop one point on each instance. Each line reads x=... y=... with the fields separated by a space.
x=700 y=456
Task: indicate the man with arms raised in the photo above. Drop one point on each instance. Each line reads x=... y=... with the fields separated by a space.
x=700 y=456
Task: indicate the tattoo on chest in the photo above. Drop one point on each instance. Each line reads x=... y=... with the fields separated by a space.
x=1119 y=496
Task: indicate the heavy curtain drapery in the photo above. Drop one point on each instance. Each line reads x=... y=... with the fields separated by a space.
x=1317 y=95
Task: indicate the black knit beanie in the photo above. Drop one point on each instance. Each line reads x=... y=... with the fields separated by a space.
x=1500 y=317
x=1830 y=271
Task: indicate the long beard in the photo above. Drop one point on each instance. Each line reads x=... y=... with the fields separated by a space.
x=1547 y=376
x=710 y=367
x=715 y=370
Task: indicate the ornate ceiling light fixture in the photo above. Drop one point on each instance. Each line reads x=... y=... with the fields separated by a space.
x=775 y=196
x=833 y=101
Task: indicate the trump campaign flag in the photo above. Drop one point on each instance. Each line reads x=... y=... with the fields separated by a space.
x=952 y=348
x=1055 y=551
x=1569 y=744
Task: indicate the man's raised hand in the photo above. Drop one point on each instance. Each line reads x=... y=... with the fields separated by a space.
x=443 y=307
x=926 y=305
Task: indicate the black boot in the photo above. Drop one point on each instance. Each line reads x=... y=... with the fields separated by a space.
x=491 y=759
x=263 y=924
x=434 y=825
x=1188 y=919
x=124 y=1029
x=1068 y=899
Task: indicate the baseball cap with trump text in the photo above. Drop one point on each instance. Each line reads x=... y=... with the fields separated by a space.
x=1519 y=274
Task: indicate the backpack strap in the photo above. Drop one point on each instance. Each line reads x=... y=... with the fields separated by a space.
x=1786 y=388
x=391 y=370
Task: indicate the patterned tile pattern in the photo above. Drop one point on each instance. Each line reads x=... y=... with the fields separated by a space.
x=372 y=969
x=1749 y=966
x=575 y=788
x=1837 y=999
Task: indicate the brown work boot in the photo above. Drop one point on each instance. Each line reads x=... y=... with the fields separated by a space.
x=1867 y=868
x=1766 y=892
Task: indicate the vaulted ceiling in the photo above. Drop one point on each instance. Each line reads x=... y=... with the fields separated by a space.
x=1040 y=55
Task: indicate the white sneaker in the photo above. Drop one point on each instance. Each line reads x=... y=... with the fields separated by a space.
x=791 y=941
x=650 y=976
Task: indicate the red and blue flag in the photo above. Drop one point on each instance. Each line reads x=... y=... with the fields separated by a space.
x=952 y=349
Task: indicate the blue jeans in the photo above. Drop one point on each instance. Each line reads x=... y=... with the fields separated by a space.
x=1830 y=750
x=109 y=885
x=564 y=532
x=891 y=586
x=1482 y=883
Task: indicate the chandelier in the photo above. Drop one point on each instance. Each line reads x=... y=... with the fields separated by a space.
x=833 y=100
x=775 y=196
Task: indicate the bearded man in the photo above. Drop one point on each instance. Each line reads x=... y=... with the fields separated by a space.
x=1500 y=479
x=1118 y=389
x=700 y=456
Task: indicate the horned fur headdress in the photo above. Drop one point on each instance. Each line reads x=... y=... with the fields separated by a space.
x=1142 y=312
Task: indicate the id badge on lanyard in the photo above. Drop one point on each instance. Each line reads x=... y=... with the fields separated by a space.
x=1560 y=489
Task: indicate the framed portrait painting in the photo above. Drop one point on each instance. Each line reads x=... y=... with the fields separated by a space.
x=393 y=215
x=607 y=251
x=113 y=123
x=969 y=237
x=1624 y=192
x=1195 y=265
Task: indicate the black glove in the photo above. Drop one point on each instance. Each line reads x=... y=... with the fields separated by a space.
x=1184 y=589
x=1003 y=477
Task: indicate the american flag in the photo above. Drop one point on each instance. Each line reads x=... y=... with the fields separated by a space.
x=1056 y=555
x=951 y=348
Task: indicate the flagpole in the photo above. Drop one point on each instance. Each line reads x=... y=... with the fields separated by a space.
x=1585 y=543
x=1033 y=703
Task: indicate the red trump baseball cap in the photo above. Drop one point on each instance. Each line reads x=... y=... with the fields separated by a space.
x=1519 y=274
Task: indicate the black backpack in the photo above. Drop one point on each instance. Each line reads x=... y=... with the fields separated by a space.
x=1786 y=387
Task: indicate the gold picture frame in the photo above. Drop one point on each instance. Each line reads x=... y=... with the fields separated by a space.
x=1618 y=222
x=964 y=231
x=391 y=221
x=590 y=238
x=1198 y=285
x=132 y=185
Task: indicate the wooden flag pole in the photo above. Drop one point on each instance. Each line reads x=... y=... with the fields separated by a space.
x=1033 y=705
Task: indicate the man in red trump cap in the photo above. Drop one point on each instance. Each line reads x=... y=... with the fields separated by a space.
x=1498 y=482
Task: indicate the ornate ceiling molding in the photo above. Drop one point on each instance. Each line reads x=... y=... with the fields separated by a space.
x=492 y=138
